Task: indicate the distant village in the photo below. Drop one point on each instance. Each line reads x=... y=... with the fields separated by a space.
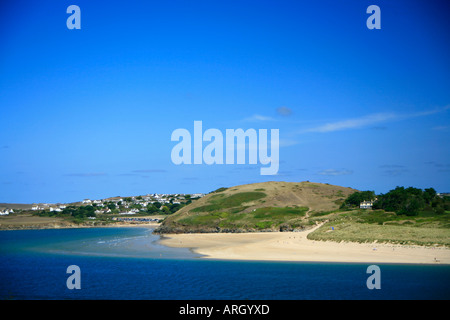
x=125 y=205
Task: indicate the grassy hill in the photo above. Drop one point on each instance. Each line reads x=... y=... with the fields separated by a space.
x=283 y=206
x=267 y=206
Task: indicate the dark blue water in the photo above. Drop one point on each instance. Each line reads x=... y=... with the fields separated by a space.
x=129 y=263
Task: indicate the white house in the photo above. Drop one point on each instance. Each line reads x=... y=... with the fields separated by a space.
x=87 y=201
x=366 y=204
x=6 y=212
x=103 y=211
x=129 y=212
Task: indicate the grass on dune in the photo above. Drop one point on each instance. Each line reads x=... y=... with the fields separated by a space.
x=220 y=201
x=381 y=226
x=261 y=218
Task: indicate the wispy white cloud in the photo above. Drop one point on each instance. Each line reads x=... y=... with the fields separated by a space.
x=353 y=123
x=334 y=172
x=89 y=174
x=282 y=111
x=441 y=128
x=149 y=171
x=395 y=172
x=392 y=166
x=370 y=120
x=258 y=117
x=288 y=142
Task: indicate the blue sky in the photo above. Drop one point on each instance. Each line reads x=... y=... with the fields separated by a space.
x=89 y=113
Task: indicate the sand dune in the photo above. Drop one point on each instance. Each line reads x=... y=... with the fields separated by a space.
x=294 y=246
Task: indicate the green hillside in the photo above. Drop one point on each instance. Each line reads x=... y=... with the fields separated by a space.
x=283 y=206
x=268 y=206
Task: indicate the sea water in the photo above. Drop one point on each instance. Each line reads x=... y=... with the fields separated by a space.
x=130 y=263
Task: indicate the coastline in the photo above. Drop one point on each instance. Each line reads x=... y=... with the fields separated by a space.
x=265 y=246
x=30 y=222
x=294 y=246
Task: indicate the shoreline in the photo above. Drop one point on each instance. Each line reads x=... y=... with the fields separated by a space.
x=272 y=246
x=118 y=225
x=295 y=247
x=30 y=222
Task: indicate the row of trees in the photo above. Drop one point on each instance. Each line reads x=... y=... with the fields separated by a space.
x=167 y=208
x=407 y=201
x=79 y=212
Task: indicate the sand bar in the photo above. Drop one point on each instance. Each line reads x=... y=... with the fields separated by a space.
x=294 y=246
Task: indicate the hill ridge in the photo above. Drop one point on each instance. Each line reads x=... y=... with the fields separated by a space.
x=262 y=206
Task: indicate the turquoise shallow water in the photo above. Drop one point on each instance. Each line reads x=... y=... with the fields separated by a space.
x=106 y=242
x=129 y=263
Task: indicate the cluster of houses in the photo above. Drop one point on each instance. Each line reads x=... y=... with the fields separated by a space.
x=48 y=206
x=104 y=205
x=6 y=212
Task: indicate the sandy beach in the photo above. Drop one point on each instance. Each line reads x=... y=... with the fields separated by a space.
x=294 y=246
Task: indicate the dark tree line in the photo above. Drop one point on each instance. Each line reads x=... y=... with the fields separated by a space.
x=79 y=212
x=406 y=201
x=356 y=198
